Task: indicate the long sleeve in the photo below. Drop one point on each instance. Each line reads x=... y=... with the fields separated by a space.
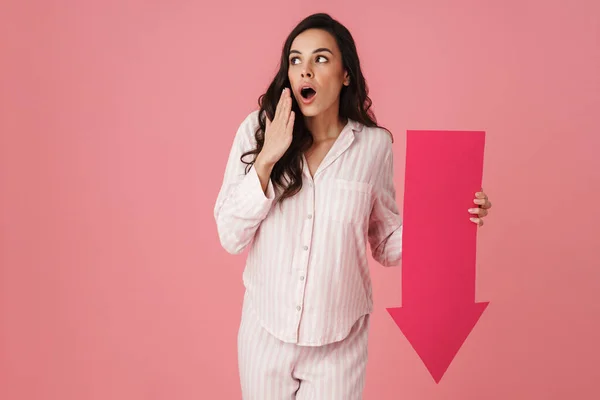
x=241 y=204
x=385 y=223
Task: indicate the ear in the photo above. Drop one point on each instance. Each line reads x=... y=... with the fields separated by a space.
x=346 y=78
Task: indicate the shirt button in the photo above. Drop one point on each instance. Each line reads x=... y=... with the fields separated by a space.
x=309 y=216
x=302 y=278
x=305 y=247
x=298 y=308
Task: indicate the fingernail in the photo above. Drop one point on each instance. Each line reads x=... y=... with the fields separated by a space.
x=472 y=210
x=473 y=219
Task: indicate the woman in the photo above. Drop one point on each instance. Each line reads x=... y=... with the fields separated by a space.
x=309 y=182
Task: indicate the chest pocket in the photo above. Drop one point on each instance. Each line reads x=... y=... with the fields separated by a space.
x=348 y=201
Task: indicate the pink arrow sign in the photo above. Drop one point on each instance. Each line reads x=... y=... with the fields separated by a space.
x=443 y=172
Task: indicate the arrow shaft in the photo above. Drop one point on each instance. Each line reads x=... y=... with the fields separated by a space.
x=443 y=172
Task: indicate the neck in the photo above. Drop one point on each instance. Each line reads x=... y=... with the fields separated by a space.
x=325 y=126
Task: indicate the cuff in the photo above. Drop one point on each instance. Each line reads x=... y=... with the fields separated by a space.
x=252 y=199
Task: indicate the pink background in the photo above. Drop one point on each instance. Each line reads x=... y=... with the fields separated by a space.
x=116 y=118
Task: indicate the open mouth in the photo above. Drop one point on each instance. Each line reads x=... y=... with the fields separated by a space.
x=308 y=93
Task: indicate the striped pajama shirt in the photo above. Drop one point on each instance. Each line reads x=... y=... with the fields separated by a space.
x=308 y=292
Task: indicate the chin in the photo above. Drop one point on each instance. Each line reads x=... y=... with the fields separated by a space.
x=311 y=110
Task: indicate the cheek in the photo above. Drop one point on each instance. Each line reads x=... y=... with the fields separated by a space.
x=294 y=81
x=334 y=84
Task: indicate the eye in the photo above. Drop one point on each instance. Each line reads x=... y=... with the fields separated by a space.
x=296 y=60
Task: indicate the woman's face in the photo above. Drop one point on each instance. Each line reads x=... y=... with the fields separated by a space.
x=315 y=61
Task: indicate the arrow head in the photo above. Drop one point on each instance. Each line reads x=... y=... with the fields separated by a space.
x=437 y=331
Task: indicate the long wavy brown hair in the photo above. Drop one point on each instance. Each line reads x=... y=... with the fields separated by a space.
x=355 y=103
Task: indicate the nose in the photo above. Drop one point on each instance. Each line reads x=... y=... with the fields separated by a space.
x=307 y=73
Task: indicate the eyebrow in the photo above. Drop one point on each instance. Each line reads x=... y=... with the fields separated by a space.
x=315 y=51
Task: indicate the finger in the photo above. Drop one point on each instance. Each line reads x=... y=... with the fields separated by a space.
x=483 y=203
x=478 y=211
x=477 y=221
x=290 y=123
x=288 y=106
x=279 y=103
x=267 y=122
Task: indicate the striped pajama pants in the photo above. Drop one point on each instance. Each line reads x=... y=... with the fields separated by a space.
x=274 y=370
